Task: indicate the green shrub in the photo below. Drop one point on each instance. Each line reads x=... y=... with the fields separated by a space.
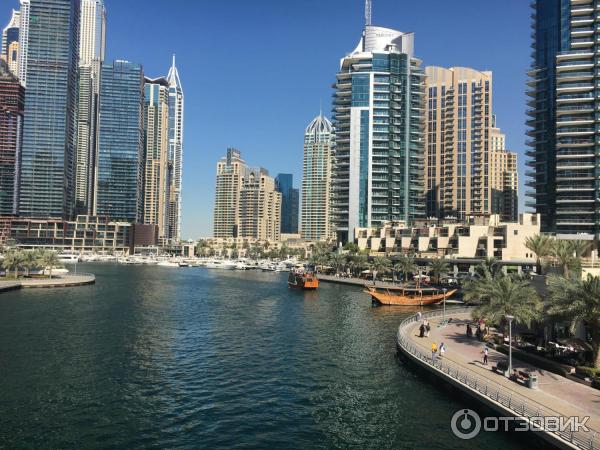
x=589 y=372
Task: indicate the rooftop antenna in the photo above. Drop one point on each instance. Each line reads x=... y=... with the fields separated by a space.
x=368 y=12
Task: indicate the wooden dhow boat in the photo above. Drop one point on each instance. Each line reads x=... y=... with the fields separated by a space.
x=409 y=296
x=303 y=280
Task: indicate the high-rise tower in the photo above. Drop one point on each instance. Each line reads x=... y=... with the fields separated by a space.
x=378 y=115
x=10 y=43
x=551 y=36
x=121 y=142
x=47 y=181
x=12 y=98
x=91 y=56
x=157 y=167
x=176 y=117
x=316 y=179
x=290 y=197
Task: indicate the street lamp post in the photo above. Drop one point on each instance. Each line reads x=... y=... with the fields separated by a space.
x=444 y=291
x=510 y=320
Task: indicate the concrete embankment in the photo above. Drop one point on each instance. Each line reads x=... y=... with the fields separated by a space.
x=54 y=282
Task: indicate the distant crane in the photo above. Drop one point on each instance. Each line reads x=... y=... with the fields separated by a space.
x=368 y=12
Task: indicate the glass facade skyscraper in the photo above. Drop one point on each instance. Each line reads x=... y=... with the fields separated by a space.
x=284 y=183
x=91 y=56
x=47 y=181
x=551 y=32
x=378 y=116
x=119 y=184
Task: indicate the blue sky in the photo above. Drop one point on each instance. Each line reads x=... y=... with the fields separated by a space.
x=254 y=72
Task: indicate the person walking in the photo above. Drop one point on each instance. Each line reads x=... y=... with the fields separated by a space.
x=485 y=355
x=442 y=349
x=422 y=330
x=427 y=328
x=419 y=316
x=433 y=351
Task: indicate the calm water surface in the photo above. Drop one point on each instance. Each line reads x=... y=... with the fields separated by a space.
x=155 y=357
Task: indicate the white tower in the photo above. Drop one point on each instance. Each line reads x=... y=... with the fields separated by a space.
x=176 y=116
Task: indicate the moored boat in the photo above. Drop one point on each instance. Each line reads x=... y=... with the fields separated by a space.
x=303 y=280
x=409 y=296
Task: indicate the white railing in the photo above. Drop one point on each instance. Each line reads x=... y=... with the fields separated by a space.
x=521 y=407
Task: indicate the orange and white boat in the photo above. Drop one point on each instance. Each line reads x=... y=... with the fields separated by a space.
x=303 y=280
x=409 y=296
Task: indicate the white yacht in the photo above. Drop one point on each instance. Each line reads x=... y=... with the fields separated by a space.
x=68 y=258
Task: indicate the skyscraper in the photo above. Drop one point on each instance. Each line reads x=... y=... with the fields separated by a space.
x=24 y=40
x=290 y=197
x=378 y=118
x=462 y=144
x=230 y=171
x=316 y=179
x=47 y=181
x=259 y=210
x=246 y=201
x=157 y=178
x=504 y=178
x=12 y=98
x=551 y=35
x=121 y=142
x=176 y=116
x=10 y=43
x=91 y=56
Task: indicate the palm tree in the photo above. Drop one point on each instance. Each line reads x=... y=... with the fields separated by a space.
x=489 y=266
x=49 y=261
x=541 y=245
x=360 y=263
x=12 y=260
x=580 y=247
x=576 y=301
x=406 y=265
x=30 y=260
x=502 y=296
x=337 y=261
x=351 y=248
x=564 y=253
x=439 y=267
x=380 y=264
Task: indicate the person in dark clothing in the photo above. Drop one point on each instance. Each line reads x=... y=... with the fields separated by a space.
x=422 y=330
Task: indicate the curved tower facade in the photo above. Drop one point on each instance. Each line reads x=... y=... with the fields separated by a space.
x=319 y=139
x=378 y=115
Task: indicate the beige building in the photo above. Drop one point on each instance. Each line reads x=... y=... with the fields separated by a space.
x=462 y=178
x=157 y=166
x=478 y=237
x=246 y=202
x=230 y=171
x=259 y=212
x=316 y=180
x=504 y=177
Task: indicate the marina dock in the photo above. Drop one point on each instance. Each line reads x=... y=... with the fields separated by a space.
x=81 y=279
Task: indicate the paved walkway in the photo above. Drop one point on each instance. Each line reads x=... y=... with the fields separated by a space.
x=56 y=281
x=556 y=392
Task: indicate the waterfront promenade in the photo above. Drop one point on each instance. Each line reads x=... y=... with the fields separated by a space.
x=356 y=281
x=55 y=282
x=463 y=362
